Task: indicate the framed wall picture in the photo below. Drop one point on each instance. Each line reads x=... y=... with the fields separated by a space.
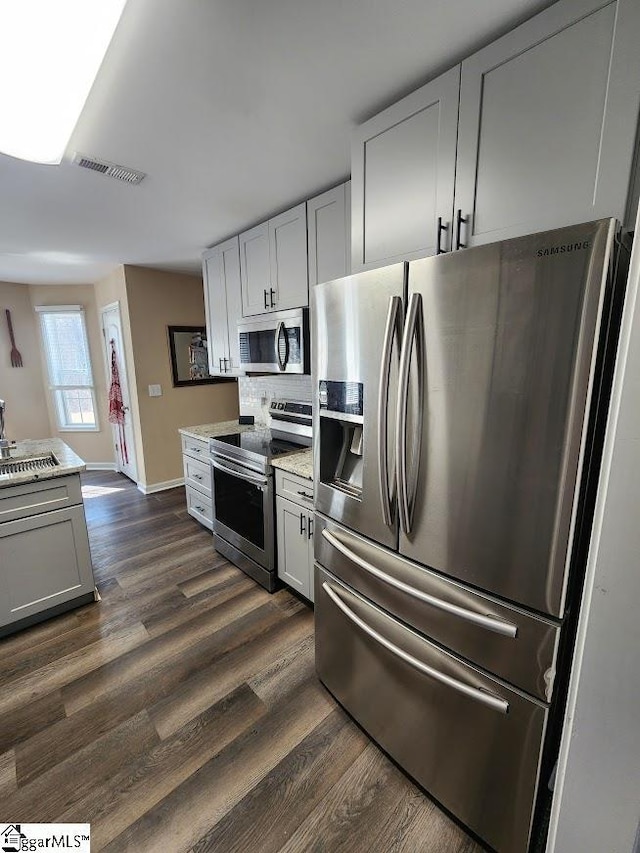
x=189 y=356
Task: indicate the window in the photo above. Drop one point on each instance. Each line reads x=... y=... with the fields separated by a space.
x=66 y=348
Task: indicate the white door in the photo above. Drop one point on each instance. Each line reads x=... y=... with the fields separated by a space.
x=123 y=437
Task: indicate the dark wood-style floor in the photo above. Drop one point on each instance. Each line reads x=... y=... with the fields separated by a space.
x=182 y=711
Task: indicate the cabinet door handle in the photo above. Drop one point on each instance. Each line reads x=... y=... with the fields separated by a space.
x=266 y=304
x=303 y=524
x=309 y=528
x=226 y=369
x=305 y=495
x=441 y=228
x=220 y=365
x=459 y=220
x=271 y=295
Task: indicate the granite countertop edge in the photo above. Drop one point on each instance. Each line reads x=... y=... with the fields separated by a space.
x=206 y=431
x=69 y=462
x=298 y=462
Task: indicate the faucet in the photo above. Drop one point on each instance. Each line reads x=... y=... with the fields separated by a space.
x=4 y=444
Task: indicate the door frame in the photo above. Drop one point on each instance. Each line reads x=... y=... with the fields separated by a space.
x=132 y=466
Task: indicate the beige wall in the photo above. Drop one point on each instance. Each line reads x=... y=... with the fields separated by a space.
x=158 y=299
x=22 y=388
x=91 y=446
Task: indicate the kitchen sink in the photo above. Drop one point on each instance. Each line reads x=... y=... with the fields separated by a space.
x=26 y=464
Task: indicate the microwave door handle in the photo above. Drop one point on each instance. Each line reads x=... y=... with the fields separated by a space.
x=392 y=330
x=414 y=328
x=282 y=362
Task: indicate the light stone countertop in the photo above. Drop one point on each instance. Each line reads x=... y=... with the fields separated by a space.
x=69 y=462
x=299 y=462
x=206 y=431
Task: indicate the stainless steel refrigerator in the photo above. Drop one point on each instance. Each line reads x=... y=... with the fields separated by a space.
x=457 y=402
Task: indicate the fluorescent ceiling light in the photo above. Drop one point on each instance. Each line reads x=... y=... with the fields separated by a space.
x=50 y=53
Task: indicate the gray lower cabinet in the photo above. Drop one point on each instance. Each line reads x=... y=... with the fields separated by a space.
x=294 y=520
x=45 y=560
x=197 y=479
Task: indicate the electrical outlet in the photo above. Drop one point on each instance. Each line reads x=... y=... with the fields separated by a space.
x=155 y=390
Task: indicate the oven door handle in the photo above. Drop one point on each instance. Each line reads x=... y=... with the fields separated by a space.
x=258 y=481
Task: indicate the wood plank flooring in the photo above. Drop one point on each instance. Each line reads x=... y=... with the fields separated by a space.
x=182 y=711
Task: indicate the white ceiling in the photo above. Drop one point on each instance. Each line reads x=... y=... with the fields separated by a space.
x=235 y=109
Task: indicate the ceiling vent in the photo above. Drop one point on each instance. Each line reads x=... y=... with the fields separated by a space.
x=111 y=170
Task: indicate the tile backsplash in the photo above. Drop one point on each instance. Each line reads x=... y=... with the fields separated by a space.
x=256 y=392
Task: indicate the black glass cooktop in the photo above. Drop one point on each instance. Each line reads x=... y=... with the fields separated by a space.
x=259 y=441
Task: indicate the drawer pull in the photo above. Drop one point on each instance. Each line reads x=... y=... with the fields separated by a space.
x=199 y=508
x=196 y=449
x=496 y=703
x=305 y=495
x=507 y=629
x=197 y=476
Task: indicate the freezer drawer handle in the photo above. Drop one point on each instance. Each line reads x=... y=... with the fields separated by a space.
x=496 y=703
x=507 y=629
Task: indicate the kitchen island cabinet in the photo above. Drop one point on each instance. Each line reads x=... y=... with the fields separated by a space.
x=45 y=561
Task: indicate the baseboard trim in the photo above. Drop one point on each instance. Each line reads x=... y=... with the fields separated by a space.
x=101 y=466
x=160 y=487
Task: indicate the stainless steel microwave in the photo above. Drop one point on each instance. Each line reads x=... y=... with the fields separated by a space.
x=275 y=343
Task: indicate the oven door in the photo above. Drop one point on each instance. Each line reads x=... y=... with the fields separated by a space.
x=278 y=343
x=243 y=509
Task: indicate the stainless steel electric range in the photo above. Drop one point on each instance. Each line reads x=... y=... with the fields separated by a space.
x=243 y=488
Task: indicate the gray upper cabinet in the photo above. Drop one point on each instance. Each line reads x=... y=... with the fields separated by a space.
x=544 y=138
x=255 y=270
x=403 y=165
x=288 y=257
x=547 y=122
x=273 y=264
x=223 y=306
x=329 y=234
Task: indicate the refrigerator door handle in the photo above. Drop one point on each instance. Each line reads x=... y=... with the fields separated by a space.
x=506 y=629
x=392 y=330
x=496 y=703
x=413 y=330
